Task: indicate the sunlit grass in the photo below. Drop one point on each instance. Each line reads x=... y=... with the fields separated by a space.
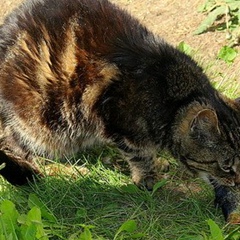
x=105 y=198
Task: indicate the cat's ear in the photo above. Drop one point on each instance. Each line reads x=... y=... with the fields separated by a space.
x=206 y=121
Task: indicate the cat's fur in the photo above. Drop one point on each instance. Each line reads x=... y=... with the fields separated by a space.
x=76 y=72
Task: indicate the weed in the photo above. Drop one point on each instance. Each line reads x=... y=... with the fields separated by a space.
x=228 y=54
x=18 y=226
x=33 y=225
x=229 y=12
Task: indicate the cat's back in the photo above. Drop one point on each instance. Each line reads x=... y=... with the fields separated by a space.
x=43 y=41
x=95 y=20
x=52 y=68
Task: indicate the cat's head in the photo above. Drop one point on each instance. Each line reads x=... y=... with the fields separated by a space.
x=208 y=146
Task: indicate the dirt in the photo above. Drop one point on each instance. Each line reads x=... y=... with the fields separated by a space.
x=175 y=21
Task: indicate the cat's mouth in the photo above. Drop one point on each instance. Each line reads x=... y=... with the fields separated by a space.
x=217 y=181
x=227 y=182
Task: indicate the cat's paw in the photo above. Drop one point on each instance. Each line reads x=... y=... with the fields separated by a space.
x=162 y=165
x=234 y=218
x=145 y=182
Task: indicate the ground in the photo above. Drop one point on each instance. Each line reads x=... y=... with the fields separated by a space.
x=175 y=21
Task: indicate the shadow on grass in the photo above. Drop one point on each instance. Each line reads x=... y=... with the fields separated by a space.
x=106 y=198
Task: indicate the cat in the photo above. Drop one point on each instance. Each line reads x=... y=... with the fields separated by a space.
x=74 y=73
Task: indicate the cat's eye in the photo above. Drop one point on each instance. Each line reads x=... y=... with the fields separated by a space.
x=227 y=165
x=226 y=168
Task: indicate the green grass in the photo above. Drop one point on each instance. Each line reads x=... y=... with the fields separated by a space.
x=104 y=204
x=106 y=199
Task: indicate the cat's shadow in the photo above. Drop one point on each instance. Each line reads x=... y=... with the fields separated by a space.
x=104 y=192
x=105 y=196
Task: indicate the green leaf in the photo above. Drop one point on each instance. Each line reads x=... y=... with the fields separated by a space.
x=185 y=48
x=216 y=232
x=33 y=226
x=28 y=232
x=129 y=226
x=234 y=5
x=8 y=219
x=2 y=237
x=202 y=8
x=210 y=19
x=137 y=235
x=34 y=215
x=206 y=6
x=130 y=188
x=159 y=185
x=34 y=201
x=227 y=54
x=22 y=219
x=86 y=234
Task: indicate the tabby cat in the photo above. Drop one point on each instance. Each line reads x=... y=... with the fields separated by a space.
x=78 y=72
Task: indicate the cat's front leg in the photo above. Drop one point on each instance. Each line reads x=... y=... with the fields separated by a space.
x=17 y=170
x=144 y=171
x=228 y=199
x=17 y=165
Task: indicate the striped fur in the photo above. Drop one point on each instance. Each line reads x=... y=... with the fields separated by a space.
x=77 y=72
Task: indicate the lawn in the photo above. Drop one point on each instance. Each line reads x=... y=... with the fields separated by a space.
x=105 y=199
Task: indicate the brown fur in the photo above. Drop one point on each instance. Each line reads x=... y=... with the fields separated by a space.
x=73 y=73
